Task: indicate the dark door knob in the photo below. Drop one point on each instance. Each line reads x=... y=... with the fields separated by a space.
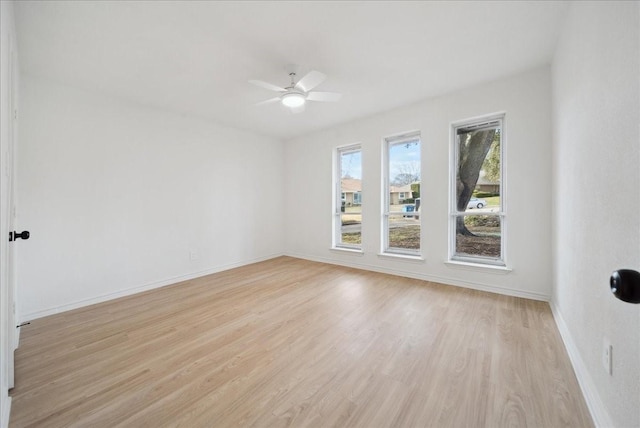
x=15 y=235
x=625 y=285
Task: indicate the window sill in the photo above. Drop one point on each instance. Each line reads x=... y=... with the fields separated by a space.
x=478 y=267
x=403 y=257
x=353 y=251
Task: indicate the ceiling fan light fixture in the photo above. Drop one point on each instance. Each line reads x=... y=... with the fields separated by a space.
x=293 y=99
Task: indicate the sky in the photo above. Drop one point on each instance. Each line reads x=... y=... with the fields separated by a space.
x=351 y=164
x=401 y=159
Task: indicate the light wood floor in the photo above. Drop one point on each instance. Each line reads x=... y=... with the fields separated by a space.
x=290 y=342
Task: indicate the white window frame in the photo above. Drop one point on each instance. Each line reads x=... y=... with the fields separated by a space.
x=337 y=198
x=401 y=196
x=454 y=213
x=386 y=196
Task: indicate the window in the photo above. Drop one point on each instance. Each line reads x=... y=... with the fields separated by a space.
x=357 y=198
x=401 y=172
x=348 y=204
x=477 y=219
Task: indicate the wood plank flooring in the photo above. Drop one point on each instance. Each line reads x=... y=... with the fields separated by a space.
x=289 y=342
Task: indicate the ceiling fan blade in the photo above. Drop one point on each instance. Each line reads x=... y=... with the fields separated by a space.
x=268 y=86
x=269 y=101
x=310 y=81
x=323 y=96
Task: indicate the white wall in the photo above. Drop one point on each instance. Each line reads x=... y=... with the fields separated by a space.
x=597 y=200
x=116 y=195
x=526 y=100
x=7 y=321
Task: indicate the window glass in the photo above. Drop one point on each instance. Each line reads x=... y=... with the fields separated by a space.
x=401 y=220
x=478 y=213
x=348 y=212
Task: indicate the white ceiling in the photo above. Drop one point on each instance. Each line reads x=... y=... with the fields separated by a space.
x=196 y=57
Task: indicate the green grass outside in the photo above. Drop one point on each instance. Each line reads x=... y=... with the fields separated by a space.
x=493 y=201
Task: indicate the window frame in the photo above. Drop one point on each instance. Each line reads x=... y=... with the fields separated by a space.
x=385 y=250
x=337 y=243
x=454 y=213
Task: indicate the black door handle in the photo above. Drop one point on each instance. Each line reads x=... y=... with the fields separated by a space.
x=22 y=235
x=625 y=285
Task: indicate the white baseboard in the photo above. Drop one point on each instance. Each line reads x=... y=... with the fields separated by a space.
x=5 y=412
x=433 y=278
x=596 y=407
x=141 y=288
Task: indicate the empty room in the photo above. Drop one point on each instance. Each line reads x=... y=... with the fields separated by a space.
x=320 y=213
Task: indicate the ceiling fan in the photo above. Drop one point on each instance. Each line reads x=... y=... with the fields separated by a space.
x=297 y=94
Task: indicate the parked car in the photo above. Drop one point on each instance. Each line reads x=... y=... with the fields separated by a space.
x=476 y=203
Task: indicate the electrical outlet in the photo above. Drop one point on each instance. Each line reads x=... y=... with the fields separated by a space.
x=193 y=255
x=607 y=356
